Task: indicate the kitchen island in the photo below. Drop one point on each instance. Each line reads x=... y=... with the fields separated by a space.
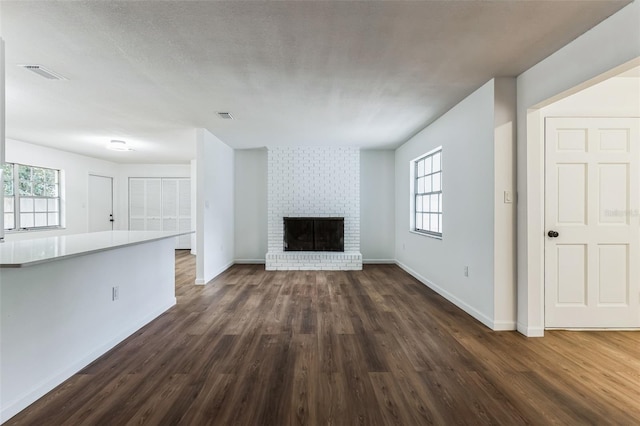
x=67 y=300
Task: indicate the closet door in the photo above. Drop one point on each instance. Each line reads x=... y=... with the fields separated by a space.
x=169 y=204
x=161 y=204
x=137 y=211
x=176 y=209
x=153 y=203
x=145 y=204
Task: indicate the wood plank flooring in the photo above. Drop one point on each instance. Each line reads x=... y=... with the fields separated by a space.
x=374 y=347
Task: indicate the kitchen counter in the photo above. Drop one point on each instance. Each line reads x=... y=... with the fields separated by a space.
x=17 y=254
x=67 y=300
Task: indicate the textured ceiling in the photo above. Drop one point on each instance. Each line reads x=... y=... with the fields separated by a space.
x=358 y=73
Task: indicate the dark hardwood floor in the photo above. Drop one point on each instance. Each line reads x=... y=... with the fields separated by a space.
x=342 y=348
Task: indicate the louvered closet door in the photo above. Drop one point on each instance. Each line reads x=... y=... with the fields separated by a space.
x=161 y=204
x=176 y=209
x=145 y=204
x=153 y=202
x=137 y=211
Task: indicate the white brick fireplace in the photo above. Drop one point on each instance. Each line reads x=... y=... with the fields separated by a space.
x=313 y=182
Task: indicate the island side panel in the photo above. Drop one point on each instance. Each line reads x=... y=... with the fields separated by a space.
x=59 y=316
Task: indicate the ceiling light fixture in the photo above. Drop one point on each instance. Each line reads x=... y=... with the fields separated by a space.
x=116 y=145
x=42 y=71
x=225 y=115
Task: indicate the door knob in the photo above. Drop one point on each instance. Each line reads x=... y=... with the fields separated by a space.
x=553 y=234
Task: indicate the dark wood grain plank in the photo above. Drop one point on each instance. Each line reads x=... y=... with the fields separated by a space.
x=341 y=348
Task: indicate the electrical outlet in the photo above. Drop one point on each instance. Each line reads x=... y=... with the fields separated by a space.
x=115 y=293
x=466 y=271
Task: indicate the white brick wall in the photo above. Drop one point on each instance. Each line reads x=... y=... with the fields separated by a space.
x=314 y=182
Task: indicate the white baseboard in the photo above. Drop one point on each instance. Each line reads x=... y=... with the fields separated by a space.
x=249 y=261
x=530 y=331
x=379 y=261
x=450 y=297
x=504 y=325
x=23 y=401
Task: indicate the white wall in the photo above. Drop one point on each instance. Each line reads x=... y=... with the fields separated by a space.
x=250 y=205
x=75 y=190
x=377 y=205
x=470 y=134
x=466 y=135
x=215 y=206
x=614 y=42
x=504 y=222
x=614 y=97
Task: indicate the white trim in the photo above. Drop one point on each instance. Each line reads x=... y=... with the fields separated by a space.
x=504 y=325
x=530 y=331
x=379 y=261
x=450 y=297
x=424 y=234
x=56 y=378
x=594 y=329
x=249 y=261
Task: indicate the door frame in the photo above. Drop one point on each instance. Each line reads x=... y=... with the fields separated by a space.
x=113 y=196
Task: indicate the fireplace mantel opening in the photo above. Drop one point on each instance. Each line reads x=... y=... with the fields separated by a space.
x=314 y=234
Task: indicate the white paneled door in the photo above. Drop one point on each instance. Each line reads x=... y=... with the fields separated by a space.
x=100 y=203
x=592 y=223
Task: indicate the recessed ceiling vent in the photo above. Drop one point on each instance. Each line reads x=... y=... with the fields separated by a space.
x=225 y=115
x=43 y=72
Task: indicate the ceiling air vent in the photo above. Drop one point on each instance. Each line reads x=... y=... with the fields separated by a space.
x=225 y=115
x=43 y=72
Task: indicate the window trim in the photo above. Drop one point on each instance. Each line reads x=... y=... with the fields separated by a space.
x=413 y=211
x=17 y=197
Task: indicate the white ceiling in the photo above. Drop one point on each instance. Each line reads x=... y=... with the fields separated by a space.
x=358 y=73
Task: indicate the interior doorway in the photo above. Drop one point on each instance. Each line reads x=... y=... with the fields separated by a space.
x=592 y=206
x=100 y=203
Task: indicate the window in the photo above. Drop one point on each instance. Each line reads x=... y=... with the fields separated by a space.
x=31 y=197
x=427 y=193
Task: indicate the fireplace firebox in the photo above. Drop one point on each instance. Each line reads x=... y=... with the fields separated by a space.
x=314 y=234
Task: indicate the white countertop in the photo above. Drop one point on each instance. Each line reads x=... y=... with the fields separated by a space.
x=17 y=254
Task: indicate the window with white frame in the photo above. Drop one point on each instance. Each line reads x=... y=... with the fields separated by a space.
x=31 y=197
x=427 y=193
